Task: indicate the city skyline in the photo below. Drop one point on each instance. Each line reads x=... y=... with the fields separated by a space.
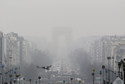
x=62 y=41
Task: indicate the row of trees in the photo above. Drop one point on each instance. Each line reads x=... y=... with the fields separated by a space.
x=82 y=60
x=39 y=58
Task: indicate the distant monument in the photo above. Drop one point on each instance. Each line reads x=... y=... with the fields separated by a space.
x=62 y=38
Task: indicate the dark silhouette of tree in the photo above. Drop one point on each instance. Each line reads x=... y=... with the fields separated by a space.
x=81 y=59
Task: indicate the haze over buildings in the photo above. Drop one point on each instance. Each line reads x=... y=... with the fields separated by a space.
x=73 y=36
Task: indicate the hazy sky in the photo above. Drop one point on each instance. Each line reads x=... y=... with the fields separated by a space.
x=86 y=17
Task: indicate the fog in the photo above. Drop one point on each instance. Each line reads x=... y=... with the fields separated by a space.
x=86 y=17
x=62 y=30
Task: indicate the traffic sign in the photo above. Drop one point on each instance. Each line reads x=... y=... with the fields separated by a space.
x=98 y=79
x=118 y=81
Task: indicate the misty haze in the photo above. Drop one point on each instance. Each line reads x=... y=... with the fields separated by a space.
x=62 y=42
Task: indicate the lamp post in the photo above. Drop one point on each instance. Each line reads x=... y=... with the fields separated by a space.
x=14 y=81
x=15 y=75
x=106 y=71
x=100 y=76
x=30 y=80
x=103 y=67
x=71 y=80
x=93 y=74
x=119 y=66
x=80 y=81
x=39 y=79
x=10 y=78
x=64 y=81
x=24 y=80
x=18 y=76
x=36 y=81
x=6 y=76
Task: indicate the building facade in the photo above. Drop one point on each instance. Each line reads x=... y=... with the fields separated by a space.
x=1 y=48
x=16 y=50
x=109 y=46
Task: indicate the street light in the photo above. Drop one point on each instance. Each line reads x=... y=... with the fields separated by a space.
x=93 y=74
x=103 y=67
x=36 y=81
x=71 y=80
x=106 y=71
x=10 y=78
x=18 y=76
x=15 y=71
x=80 y=81
x=24 y=80
x=119 y=66
x=30 y=80
x=6 y=76
x=39 y=79
x=14 y=81
x=64 y=81
x=100 y=76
